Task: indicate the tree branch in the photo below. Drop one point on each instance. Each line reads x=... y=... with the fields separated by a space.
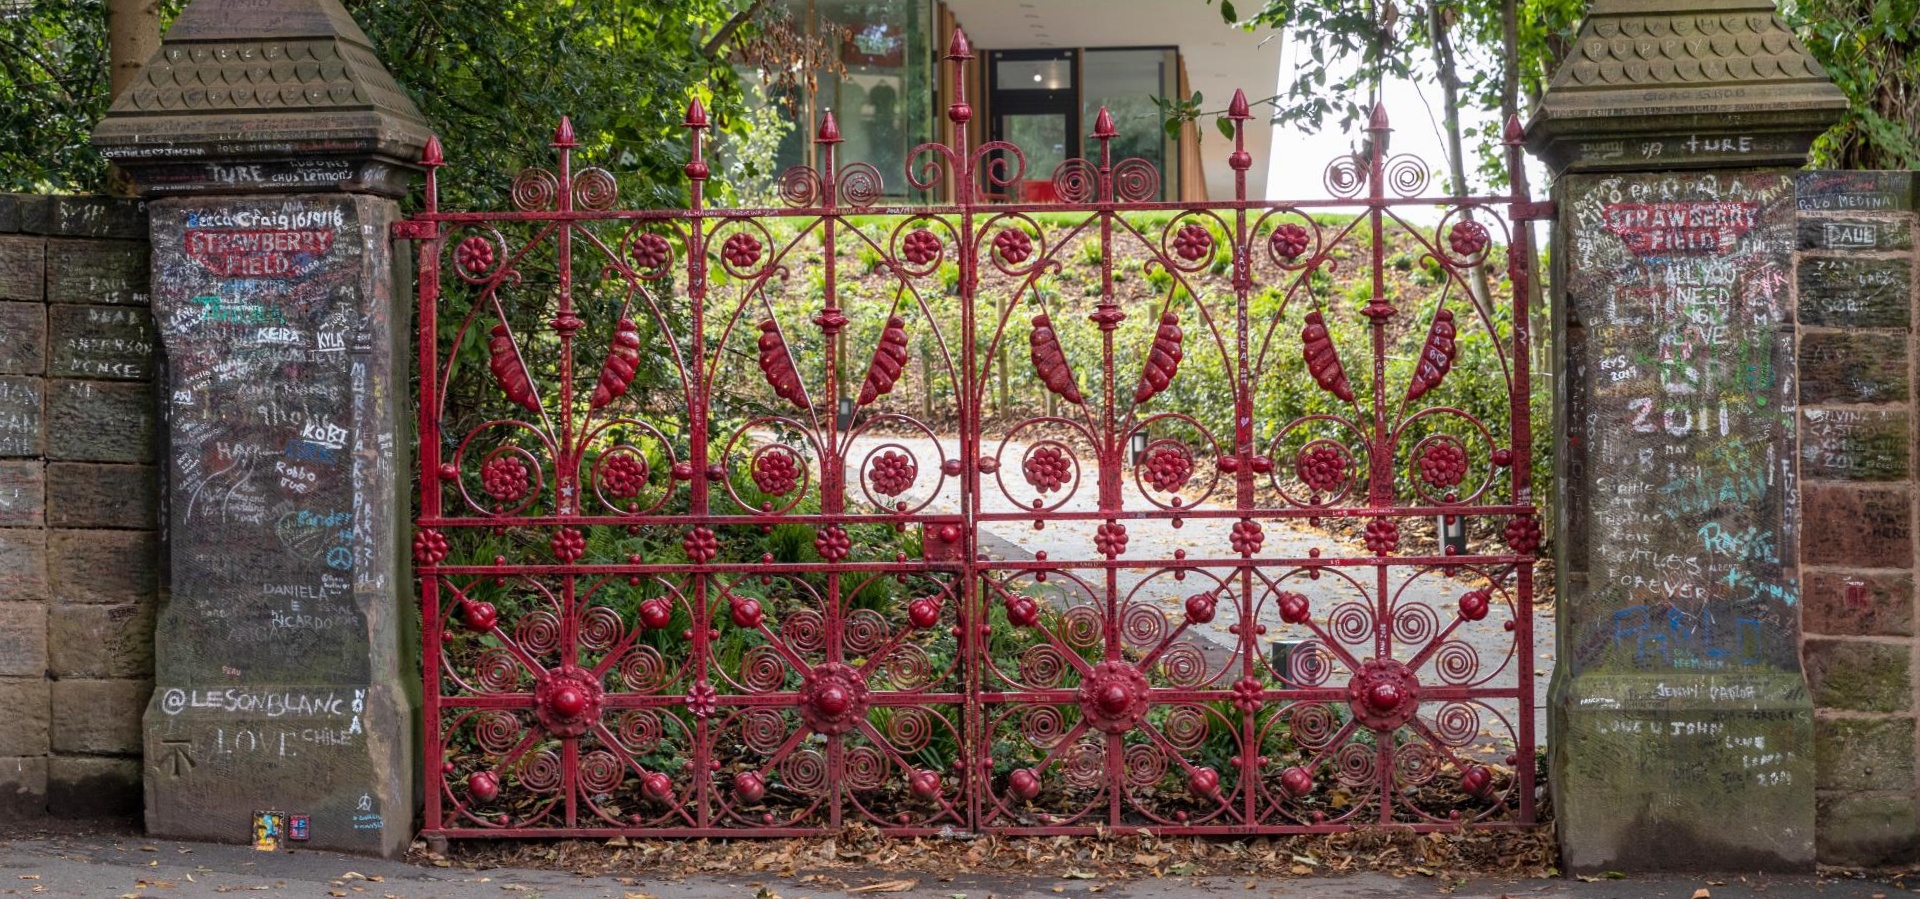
x=726 y=31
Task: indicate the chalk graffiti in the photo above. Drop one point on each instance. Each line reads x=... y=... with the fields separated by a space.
x=1681 y=285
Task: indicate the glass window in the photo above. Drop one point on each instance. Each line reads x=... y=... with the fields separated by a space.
x=1127 y=82
x=1017 y=74
x=881 y=101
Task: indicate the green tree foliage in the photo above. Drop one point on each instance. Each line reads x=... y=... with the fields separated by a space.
x=494 y=76
x=53 y=89
x=1355 y=47
x=1506 y=50
x=491 y=76
x=1871 y=48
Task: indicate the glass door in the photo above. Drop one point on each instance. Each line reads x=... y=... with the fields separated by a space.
x=1034 y=101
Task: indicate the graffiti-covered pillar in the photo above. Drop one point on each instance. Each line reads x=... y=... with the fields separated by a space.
x=271 y=142
x=1681 y=728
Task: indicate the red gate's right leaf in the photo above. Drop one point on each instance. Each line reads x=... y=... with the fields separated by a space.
x=1322 y=359
x=1163 y=359
x=1436 y=357
x=889 y=359
x=622 y=358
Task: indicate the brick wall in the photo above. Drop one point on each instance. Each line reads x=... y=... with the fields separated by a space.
x=79 y=539
x=1855 y=277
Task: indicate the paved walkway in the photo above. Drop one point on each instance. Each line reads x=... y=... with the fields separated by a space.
x=110 y=865
x=1490 y=643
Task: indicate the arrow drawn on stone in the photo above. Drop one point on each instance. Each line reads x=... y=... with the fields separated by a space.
x=179 y=757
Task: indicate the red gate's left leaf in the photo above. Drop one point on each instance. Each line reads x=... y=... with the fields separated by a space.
x=504 y=358
x=1050 y=362
x=777 y=366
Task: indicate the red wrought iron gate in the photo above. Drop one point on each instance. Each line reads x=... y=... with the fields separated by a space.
x=731 y=523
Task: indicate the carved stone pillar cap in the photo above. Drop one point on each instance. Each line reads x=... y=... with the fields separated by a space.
x=1655 y=84
x=249 y=96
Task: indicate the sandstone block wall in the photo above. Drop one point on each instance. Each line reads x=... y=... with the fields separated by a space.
x=79 y=531
x=1855 y=273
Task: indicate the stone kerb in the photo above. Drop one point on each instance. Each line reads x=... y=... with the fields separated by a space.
x=272 y=144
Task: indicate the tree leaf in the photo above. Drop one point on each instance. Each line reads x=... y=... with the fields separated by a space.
x=886 y=886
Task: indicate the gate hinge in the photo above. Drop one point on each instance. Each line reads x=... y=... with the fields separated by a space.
x=411 y=229
x=1530 y=211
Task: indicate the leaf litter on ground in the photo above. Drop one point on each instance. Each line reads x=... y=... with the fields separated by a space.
x=1113 y=856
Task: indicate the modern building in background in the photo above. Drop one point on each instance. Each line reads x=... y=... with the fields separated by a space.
x=1042 y=71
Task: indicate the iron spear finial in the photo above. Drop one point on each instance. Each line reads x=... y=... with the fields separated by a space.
x=959 y=48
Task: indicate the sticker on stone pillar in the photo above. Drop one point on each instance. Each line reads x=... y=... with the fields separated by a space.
x=269 y=828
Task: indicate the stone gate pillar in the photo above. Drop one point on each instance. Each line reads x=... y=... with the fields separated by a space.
x=1681 y=729
x=272 y=145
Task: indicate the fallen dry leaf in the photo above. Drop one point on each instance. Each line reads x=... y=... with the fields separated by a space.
x=886 y=886
x=1702 y=893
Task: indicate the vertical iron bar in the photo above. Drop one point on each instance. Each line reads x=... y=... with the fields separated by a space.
x=1380 y=457
x=428 y=253
x=1238 y=113
x=565 y=323
x=696 y=392
x=971 y=618
x=1520 y=261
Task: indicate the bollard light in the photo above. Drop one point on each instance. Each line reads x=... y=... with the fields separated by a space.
x=1139 y=443
x=1453 y=535
x=844 y=419
x=1282 y=657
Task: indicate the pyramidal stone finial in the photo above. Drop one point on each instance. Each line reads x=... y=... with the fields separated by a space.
x=1642 y=81
x=264 y=95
